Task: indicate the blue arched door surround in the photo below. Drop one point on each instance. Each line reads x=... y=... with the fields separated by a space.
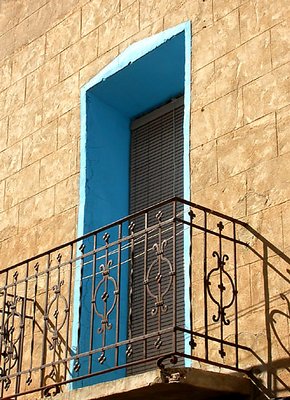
x=146 y=75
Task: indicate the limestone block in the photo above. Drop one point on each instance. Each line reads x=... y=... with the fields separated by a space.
x=96 y=12
x=60 y=98
x=63 y=35
x=283 y=126
x=58 y=166
x=203 y=166
x=24 y=121
x=286 y=227
x=28 y=59
x=240 y=67
x=150 y=30
x=68 y=127
x=12 y=98
x=226 y=34
x=257 y=16
x=216 y=119
x=268 y=93
x=2 y=193
x=9 y=223
x=94 y=67
x=27 y=179
x=40 y=144
x=229 y=196
x=202 y=48
x=280 y=43
x=198 y=12
x=119 y=28
x=126 y=3
x=203 y=87
x=268 y=184
x=3 y=133
x=79 y=54
x=67 y=194
x=5 y=74
x=246 y=147
x=36 y=209
x=56 y=230
x=7 y=15
x=224 y=7
x=10 y=160
x=7 y=44
x=42 y=79
x=151 y=10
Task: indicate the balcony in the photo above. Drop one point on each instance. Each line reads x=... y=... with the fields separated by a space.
x=176 y=285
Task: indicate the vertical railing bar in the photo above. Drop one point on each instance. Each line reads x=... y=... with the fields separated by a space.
x=236 y=295
x=174 y=278
x=43 y=353
x=144 y=285
x=205 y=285
x=81 y=249
x=69 y=307
x=29 y=379
x=191 y=215
x=3 y=325
x=22 y=328
x=220 y=266
x=92 y=305
x=119 y=277
x=132 y=258
x=13 y=313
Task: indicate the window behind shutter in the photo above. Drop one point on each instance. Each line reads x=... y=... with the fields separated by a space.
x=156 y=175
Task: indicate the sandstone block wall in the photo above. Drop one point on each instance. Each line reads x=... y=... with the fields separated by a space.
x=239 y=150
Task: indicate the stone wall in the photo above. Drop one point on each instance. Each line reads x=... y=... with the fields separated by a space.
x=239 y=109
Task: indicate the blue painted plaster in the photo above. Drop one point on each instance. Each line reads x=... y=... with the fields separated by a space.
x=146 y=75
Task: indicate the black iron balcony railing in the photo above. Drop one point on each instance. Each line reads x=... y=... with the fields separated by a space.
x=175 y=283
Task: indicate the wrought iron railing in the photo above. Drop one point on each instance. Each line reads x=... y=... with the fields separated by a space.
x=174 y=282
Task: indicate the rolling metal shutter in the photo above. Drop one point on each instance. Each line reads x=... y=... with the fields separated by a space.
x=156 y=175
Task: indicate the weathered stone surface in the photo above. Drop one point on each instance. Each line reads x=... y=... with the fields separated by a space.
x=25 y=121
x=283 y=130
x=12 y=98
x=2 y=188
x=202 y=48
x=57 y=229
x=216 y=119
x=79 y=54
x=226 y=35
x=63 y=35
x=150 y=30
x=198 y=12
x=58 y=166
x=3 y=133
x=67 y=194
x=126 y=3
x=257 y=16
x=60 y=98
x=94 y=67
x=10 y=160
x=286 y=227
x=224 y=7
x=203 y=166
x=7 y=44
x=228 y=197
x=27 y=179
x=268 y=93
x=240 y=67
x=36 y=209
x=280 y=43
x=28 y=59
x=96 y=12
x=68 y=127
x=5 y=74
x=247 y=147
x=268 y=183
x=40 y=144
x=42 y=79
x=203 y=86
x=8 y=223
x=120 y=27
